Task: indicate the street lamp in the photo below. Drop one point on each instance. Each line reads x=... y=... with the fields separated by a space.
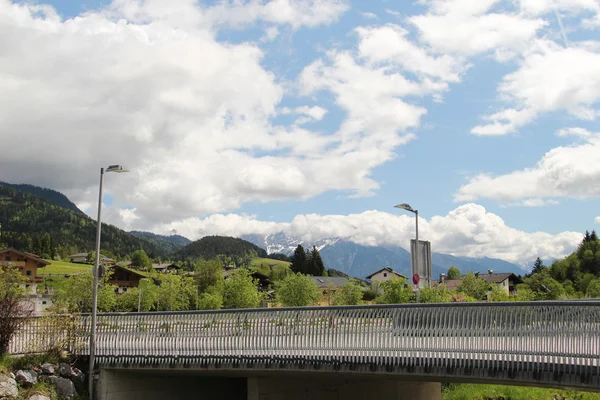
x=111 y=168
x=407 y=207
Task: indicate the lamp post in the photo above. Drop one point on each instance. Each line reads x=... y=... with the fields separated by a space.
x=111 y=168
x=407 y=207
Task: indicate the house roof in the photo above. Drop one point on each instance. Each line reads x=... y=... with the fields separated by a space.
x=143 y=274
x=452 y=284
x=78 y=255
x=25 y=254
x=388 y=269
x=327 y=281
x=164 y=266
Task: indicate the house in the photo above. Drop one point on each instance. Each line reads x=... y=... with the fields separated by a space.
x=82 y=258
x=384 y=274
x=125 y=278
x=27 y=263
x=329 y=284
x=38 y=304
x=165 y=268
x=507 y=281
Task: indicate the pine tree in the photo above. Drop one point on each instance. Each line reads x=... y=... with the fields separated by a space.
x=593 y=237
x=299 y=261
x=315 y=263
x=587 y=237
x=538 y=265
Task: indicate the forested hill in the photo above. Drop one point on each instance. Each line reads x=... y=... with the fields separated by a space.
x=210 y=247
x=47 y=194
x=167 y=244
x=31 y=223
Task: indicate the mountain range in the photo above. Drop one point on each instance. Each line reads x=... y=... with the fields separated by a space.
x=44 y=220
x=360 y=261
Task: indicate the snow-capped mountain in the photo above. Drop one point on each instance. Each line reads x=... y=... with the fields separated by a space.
x=360 y=261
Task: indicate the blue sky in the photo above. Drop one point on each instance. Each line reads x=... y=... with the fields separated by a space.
x=163 y=87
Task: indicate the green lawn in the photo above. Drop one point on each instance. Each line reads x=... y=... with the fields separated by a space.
x=499 y=392
x=62 y=267
x=267 y=261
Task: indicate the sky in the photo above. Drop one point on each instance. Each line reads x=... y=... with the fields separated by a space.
x=313 y=117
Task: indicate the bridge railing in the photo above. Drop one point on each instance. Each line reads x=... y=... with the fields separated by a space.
x=550 y=333
x=42 y=334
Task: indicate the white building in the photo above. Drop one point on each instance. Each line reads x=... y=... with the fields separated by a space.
x=384 y=274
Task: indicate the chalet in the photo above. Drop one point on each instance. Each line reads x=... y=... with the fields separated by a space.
x=507 y=281
x=27 y=263
x=384 y=274
x=82 y=258
x=166 y=268
x=125 y=278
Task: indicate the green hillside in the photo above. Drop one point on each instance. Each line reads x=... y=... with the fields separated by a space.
x=233 y=250
x=31 y=223
x=167 y=244
x=47 y=194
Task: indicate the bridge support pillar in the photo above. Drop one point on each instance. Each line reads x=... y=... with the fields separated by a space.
x=334 y=388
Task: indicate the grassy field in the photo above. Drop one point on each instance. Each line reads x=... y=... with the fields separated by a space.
x=267 y=261
x=62 y=267
x=499 y=392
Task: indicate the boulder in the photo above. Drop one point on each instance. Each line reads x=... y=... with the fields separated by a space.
x=38 y=397
x=8 y=387
x=65 y=370
x=26 y=378
x=48 y=369
x=64 y=387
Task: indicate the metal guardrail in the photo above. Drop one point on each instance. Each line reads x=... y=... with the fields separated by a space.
x=42 y=334
x=528 y=342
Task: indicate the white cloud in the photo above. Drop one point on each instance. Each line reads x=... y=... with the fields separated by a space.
x=148 y=86
x=597 y=220
x=392 y=12
x=540 y=7
x=469 y=230
x=471 y=27
x=550 y=78
x=295 y=13
x=566 y=171
x=373 y=89
x=315 y=113
x=271 y=34
x=369 y=15
x=389 y=44
x=535 y=202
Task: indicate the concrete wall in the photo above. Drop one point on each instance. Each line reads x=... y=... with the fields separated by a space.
x=189 y=384
x=335 y=388
x=125 y=385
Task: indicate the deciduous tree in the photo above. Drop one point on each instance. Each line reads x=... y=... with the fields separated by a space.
x=453 y=273
x=297 y=290
x=13 y=312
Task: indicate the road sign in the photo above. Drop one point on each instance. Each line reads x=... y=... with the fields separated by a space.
x=416 y=278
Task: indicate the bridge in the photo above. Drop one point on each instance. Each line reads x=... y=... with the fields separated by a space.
x=391 y=351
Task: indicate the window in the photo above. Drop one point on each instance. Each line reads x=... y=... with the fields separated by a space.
x=385 y=274
x=7 y=258
x=28 y=273
x=44 y=302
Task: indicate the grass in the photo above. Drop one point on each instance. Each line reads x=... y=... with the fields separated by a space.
x=257 y=262
x=63 y=267
x=500 y=392
x=42 y=387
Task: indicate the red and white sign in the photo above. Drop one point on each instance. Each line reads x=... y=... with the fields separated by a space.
x=416 y=278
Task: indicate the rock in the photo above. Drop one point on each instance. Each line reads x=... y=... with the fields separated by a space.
x=39 y=397
x=65 y=371
x=27 y=378
x=48 y=369
x=11 y=375
x=8 y=387
x=64 y=387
